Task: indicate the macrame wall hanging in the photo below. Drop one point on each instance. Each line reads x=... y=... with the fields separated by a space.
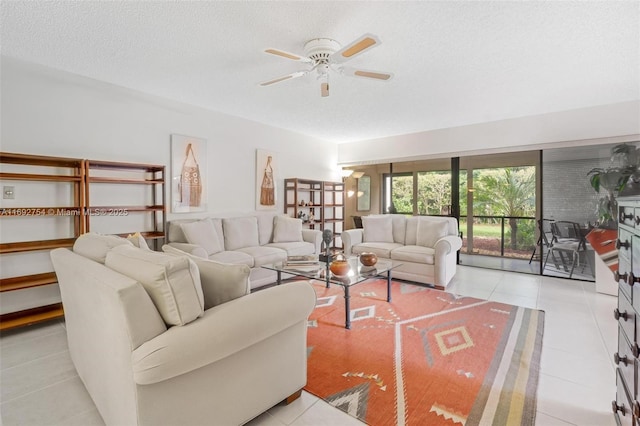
x=190 y=185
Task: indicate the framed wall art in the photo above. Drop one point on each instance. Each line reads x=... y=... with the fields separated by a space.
x=266 y=172
x=188 y=174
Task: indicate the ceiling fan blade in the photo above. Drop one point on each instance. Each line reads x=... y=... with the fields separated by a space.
x=287 y=55
x=355 y=48
x=284 y=78
x=377 y=75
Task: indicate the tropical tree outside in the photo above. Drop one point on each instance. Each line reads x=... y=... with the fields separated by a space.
x=434 y=193
x=496 y=192
x=506 y=191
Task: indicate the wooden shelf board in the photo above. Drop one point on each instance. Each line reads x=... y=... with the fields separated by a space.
x=28 y=281
x=125 y=180
x=36 y=245
x=98 y=209
x=113 y=165
x=39 y=177
x=39 y=160
x=31 y=316
x=148 y=235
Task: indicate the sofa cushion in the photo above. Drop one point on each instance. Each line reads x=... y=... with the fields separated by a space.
x=138 y=240
x=240 y=232
x=203 y=234
x=233 y=257
x=173 y=283
x=295 y=249
x=377 y=229
x=263 y=255
x=287 y=229
x=95 y=246
x=380 y=249
x=221 y=282
x=414 y=254
x=430 y=231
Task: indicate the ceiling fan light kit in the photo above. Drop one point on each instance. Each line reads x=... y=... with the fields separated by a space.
x=324 y=55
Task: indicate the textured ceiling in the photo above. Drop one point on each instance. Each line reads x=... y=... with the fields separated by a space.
x=455 y=63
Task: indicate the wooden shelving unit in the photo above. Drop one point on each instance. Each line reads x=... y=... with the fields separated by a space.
x=81 y=176
x=62 y=170
x=303 y=198
x=333 y=196
x=148 y=175
x=324 y=200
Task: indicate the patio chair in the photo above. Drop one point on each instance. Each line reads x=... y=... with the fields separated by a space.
x=568 y=243
x=544 y=228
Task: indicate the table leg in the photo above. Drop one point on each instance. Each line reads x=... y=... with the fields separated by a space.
x=347 y=323
x=327 y=275
x=389 y=285
x=279 y=278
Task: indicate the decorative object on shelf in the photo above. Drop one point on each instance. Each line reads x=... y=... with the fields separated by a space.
x=625 y=162
x=266 y=170
x=188 y=169
x=340 y=266
x=364 y=194
x=368 y=259
x=312 y=218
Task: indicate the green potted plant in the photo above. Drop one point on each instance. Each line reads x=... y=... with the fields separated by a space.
x=614 y=180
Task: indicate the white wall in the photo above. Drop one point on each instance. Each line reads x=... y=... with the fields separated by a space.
x=50 y=112
x=595 y=125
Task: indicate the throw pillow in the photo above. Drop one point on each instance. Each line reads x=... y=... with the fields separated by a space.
x=430 y=231
x=221 y=282
x=203 y=234
x=240 y=232
x=287 y=229
x=173 y=283
x=377 y=229
x=138 y=241
x=95 y=246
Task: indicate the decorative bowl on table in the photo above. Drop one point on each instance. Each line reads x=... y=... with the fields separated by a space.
x=340 y=266
x=368 y=259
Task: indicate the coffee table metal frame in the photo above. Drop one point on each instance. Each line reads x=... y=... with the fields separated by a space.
x=358 y=274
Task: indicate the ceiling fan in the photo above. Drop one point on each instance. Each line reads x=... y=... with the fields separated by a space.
x=324 y=55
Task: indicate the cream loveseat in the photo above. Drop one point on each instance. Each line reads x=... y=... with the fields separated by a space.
x=424 y=246
x=159 y=339
x=254 y=241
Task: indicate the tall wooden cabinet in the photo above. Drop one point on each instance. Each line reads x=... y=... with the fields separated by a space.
x=626 y=407
x=52 y=179
x=319 y=204
x=58 y=199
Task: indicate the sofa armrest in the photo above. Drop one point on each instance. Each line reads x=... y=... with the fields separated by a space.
x=192 y=249
x=350 y=238
x=314 y=237
x=222 y=331
x=448 y=244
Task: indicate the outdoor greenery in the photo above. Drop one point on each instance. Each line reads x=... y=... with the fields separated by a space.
x=497 y=192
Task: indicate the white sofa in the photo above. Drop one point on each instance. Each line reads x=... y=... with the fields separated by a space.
x=424 y=247
x=155 y=342
x=254 y=241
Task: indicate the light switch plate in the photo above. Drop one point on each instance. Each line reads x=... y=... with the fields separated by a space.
x=8 y=192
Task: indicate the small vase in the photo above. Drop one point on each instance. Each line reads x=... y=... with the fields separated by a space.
x=340 y=266
x=368 y=259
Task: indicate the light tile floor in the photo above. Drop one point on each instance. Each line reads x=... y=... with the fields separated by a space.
x=39 y=385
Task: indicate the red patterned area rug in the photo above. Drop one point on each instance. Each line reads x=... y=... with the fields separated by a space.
x=426 y=358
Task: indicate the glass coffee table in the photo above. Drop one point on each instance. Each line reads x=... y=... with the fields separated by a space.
x=358 y=273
